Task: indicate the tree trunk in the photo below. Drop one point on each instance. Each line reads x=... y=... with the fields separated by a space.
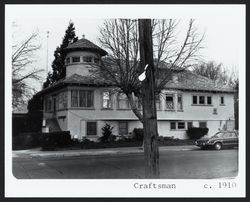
x=134 y=107
x=151 y=150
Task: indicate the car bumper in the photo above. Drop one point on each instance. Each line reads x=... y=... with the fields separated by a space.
x=203 y=144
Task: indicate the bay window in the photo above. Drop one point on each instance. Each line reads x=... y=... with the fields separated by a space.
x=106 y=100
x=169 y=101
x=82 y=98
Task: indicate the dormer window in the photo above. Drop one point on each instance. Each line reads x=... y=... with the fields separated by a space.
x=87 y=59
x=75 y=59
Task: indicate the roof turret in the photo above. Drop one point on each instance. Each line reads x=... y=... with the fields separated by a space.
x=85 y=44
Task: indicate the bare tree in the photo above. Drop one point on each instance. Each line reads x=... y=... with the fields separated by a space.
x=213 y=71
x=122 y=66
x=223 y=77
x=23 y=70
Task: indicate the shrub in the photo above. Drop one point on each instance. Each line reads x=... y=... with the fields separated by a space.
x=107 y=135
x=55 y=139
x=26 y=141
x=196 y=133
x=138 y=134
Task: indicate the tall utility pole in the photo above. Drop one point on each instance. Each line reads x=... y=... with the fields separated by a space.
x=151 y=150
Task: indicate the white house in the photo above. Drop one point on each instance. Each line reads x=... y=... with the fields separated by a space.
x=83 y=105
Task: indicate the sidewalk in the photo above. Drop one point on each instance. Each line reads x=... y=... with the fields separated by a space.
x=32 y=153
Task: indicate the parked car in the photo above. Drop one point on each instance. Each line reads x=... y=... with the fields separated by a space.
x=220 y=140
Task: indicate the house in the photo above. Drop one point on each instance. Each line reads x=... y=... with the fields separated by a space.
x=81 y=104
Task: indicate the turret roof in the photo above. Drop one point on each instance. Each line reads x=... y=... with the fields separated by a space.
x=85 y=44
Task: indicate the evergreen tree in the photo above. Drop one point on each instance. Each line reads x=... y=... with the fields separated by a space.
x=58 y=68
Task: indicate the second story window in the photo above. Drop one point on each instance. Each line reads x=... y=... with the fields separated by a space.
x=62 y=100
x=209 y=100
x=86 y=98
x=48 y=104
x=194 y=99
x=122 y=101
x=202 y=100
x=82 y=98
x=179 y=106
x=74 y=98
x=158 y=102
x=75 y=59
x=87 y=59
x=106 y=100
x=222 y=100
x=169 y=102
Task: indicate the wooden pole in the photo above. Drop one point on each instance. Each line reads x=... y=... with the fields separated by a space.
x=151 y=150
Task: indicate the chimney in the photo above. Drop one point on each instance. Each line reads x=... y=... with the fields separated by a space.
x=83 y=36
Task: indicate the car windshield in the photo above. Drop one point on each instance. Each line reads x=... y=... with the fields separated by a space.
x=218 y=135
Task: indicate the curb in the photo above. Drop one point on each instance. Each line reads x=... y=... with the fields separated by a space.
x=91 y=153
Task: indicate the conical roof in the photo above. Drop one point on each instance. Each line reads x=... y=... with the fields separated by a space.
x=85 y=44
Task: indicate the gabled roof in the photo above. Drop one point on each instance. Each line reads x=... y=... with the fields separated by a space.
x=85 y=44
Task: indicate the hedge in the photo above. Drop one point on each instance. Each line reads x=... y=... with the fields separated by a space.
x=55 y=139
x=26 y=141
x=48 y=141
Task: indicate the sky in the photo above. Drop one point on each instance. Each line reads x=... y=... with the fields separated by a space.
x=223 y=26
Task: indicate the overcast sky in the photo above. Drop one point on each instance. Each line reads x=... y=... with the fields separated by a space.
x=223 y=25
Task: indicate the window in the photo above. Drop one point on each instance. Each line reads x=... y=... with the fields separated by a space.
x=181 y=125
x=75 y=59
x=194 y=99
x=189 y=124
x=96 y=60
x=106 y=100
x=209 y=100
x=222 y=100
x=74 y=98
x=169 y=102
x=91 y=128
x=201 y=100
x=87 y=59
x=48 y=104
x=172 y=125
x=82 y=98
x=203 y=124
x=67 y=60
x=62 y=100
x=123 y=128
x=86 y=98
x=158 y=102
x=122 y=101
x=179 y=106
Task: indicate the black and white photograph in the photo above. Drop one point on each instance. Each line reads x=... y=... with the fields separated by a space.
x=129 y=100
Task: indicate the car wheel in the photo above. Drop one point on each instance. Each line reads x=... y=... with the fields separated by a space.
x=218 y=146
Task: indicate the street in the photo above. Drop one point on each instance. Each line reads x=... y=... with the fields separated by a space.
x=180 y=164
